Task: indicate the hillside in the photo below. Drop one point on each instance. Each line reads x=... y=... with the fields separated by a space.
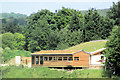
x=14 y=15
x=89 y=46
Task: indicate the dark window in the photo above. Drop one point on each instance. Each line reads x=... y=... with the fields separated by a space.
x=102 y=57
x=101 y=52
x=76 y=58
x=45 y=58
x=64 y=58
x=59 y=58
x=54 y=58
x=33 y=59
x=37 y=59
x=70 y=59
x=50 y=58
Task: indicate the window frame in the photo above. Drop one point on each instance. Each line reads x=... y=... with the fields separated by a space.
x=51 y=58
x=46 y=58
x=70 y=58
x=76 y=58
x=59 y=58
x=65 y=58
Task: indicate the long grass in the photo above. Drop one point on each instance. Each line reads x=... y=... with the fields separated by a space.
x=44 y=72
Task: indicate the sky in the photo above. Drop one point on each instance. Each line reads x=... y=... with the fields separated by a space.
x=31 y=6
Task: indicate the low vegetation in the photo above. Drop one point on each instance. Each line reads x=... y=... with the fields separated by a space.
x=89 y=46
x=8 y=54
x=44 y=72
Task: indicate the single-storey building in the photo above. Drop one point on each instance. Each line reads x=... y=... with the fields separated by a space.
x=60 y=58
x=66 y=58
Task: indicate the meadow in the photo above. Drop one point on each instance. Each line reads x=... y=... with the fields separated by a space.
x=44 y=72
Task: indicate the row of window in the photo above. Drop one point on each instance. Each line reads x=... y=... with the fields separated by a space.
x=53 y=59
x=60 y=58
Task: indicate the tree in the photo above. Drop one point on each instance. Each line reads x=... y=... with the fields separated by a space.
x=114 y=13
x=77 y=21
x=63 y=17
x=20 y=41
x=13 y=41
x=96 y=26
x=13 y=25
x=8 y=40
x=113 y=51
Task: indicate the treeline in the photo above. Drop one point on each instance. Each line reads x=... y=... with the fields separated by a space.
x=46 y=30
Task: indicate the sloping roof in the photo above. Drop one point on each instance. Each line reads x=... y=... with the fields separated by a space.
x=97 y=51
x=56 y=52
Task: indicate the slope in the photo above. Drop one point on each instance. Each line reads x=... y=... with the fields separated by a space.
x=89 y=46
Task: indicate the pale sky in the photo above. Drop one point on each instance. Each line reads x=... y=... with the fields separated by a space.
x=29 y=6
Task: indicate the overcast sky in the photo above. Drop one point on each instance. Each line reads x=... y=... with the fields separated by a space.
x=29 y=6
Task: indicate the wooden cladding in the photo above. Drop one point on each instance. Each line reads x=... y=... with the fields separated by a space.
x=77 y=59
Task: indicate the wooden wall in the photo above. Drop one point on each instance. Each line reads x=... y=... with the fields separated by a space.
x=82 y=62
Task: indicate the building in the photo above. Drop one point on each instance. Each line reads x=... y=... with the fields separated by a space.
x=68 y=58
x=26 y=60
x=97 y=57
x=60 y=58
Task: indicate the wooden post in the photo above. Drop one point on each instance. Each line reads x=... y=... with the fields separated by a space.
x=35 y=60
x=73 y=58
x=90 y=59
x=39 y=60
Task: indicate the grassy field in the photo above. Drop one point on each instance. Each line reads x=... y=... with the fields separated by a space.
x=89 y=46
x=44 y=72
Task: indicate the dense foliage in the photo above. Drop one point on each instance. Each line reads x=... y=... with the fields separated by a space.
x=13 y=41
x=46 y=30
x=113 y=45
x=67 y=27
x=113 y=51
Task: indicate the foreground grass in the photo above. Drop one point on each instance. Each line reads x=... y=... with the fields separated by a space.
x=44 y=72
x=89 y=46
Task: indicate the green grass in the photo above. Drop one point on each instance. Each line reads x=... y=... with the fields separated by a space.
x=89 y=46
x=44 y=72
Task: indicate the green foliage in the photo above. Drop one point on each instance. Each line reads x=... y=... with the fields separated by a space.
x=114 y=13
x=63 y=17
x=76 y=22
x=102 y=12
x=8 y=40
x=46 y=30
x=113 y=51
x=8 y=54
x=13 y=24
x=96 y=27
x=13 y=41
x=20 y=41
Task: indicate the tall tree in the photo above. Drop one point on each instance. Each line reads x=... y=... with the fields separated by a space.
x=96 y=26
x=77 y=21
x=113 y=51
x=114 y=13
x=40 y=31
x=63 y=17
